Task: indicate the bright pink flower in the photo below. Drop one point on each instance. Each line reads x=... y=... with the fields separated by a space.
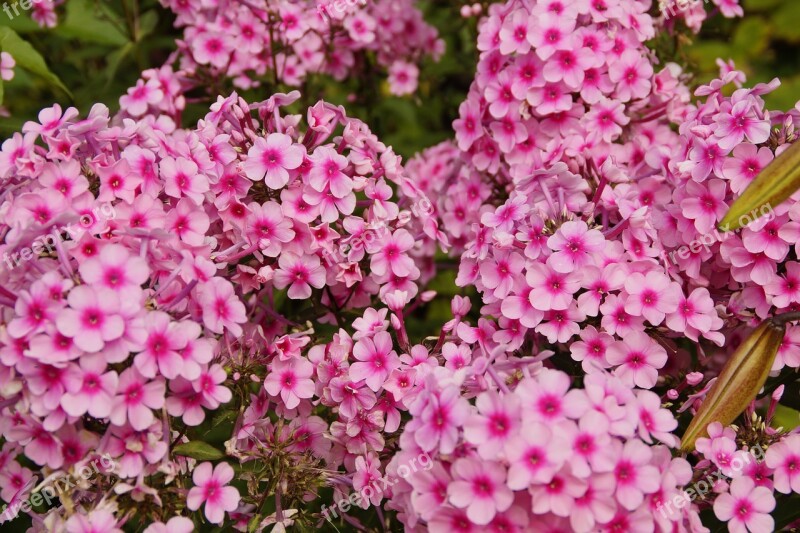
x=135 y=399
x=115 y=269
x=271 y=158
x=573 y=245
x=222 y=310
x=784 y=458
x=494 y=426
x=746 y=507
x=97 y=521
x=534 y=456
x=327 y=174
x=632 y=73
x=551 y=289
x=652 y=296
x=291 y=380
x=92 y=318
x=389 y=254
x=634 y=475
x=89 y=388
x=739 y=122
x=376 y=360
x=211 y=489
x=479 y=487
x=441 y=419
x=637 y=358
x=299 y=273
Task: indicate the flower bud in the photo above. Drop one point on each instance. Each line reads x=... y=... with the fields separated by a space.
x=739 y=382
x=770 y=188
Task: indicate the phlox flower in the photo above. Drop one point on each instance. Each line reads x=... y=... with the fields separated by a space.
x=441 y=419
x=299 y=273
x=92 y=318
x=89 y=388
x=135 y=398
x=632 y=73
x=495 y=423
x=162 y=340
x=637 y=358
x=741 y=122
x=291 y=380
x=390 y=254
x=746 y=507
x=479 y=487
x=633 y=474
x=403 y=78
x=211 y=488
x=534 y=456
x=376 y=360
x=573 y=245
x=221 y=308
x=558 y=495
x=652 y=296
x=97 y=521
x=784 y=458
x=326 y=173
x=271 y=158
x=551 y=289
x=176 y=524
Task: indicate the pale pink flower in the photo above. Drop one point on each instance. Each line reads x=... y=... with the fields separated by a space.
x=479 y=487
x=746 y=507
x=211 y=488
x=271 y=158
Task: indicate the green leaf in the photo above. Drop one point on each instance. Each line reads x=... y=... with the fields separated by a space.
x=92 y=22
x=115 y=58
x=198 y=450
x=1 y=91
x=28 y=58
x=147 y=23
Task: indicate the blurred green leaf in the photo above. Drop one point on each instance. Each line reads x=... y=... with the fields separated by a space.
x=786 y=21
x=114 y=59
x=87 y=22
x=147 y=23
x=198 y=450
x=28 y=58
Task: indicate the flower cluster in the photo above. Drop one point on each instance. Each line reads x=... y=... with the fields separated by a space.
x=285 y=42
x=118 y=342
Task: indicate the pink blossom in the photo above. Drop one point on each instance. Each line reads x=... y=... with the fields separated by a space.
x=480 y=489
x=211 y=488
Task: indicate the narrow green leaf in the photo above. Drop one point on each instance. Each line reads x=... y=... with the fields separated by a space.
x=198 y=450
x=28 y=58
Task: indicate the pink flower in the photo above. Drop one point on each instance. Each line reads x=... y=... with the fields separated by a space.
x=746 y=507
x=299 y=273
x=441 y=419
x=92 y=318
x=176 y=524
x=739 y=122
x=163 y=340
x=573 y=245
x=784 y=458
x=135 y=398
x=494 y=426
x=551 y=289
x=403 y=78
x=389 y=254
x=211 y=489
x=632 y=73
x=326 y=173
x=639 y=357
x=272 y=158
x=479 y=487
x=291 y=380
x=97 y=521
x=634 y=475
x=89 y=388
x=652 y=296
x=376 y=360
x=221 y=308
x=7 y=64
x=534 y=456
x=115 y=269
